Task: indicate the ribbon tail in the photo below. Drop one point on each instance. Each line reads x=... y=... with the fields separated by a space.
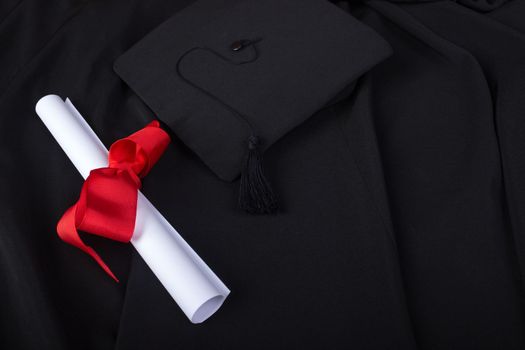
x=67 y=231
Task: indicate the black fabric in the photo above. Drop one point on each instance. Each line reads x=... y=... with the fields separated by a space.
x=444 y=178
x=403 y=224
x=298 y=64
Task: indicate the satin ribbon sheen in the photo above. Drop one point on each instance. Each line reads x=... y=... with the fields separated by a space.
x=107 y=205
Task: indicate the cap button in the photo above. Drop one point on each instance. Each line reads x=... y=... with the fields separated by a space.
x=237 y=45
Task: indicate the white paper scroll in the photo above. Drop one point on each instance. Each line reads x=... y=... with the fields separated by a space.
x=193 y=285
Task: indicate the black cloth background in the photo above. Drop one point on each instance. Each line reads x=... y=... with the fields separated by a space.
x=402 y=227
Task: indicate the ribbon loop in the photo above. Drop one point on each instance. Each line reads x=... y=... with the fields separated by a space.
x=107 y=205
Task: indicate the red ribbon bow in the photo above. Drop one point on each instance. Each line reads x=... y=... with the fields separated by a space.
x=107 y=205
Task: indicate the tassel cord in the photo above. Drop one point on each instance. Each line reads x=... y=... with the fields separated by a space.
x=255 y=192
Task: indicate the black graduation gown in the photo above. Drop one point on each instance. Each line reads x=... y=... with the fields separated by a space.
x=400 y=222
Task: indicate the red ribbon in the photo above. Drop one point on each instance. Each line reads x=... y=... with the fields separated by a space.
x=107 y=205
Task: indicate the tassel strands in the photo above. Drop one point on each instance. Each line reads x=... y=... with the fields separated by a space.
x=255 y=195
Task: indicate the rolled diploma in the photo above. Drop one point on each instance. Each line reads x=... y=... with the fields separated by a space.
x=191 y=283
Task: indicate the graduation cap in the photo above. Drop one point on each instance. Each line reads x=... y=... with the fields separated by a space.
x=231 y=77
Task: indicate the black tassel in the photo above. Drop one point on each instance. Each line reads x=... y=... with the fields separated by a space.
x=256 y=195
